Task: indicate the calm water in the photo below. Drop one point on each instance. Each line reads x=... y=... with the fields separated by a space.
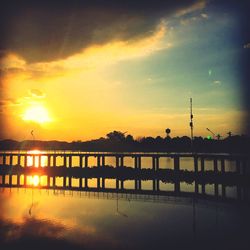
x=37 y=219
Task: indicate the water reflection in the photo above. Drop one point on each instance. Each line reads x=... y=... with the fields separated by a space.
x=226 y=192
x=55 y=202
x=83 y=220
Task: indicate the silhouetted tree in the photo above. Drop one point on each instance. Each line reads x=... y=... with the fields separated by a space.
x=129 y=138
x=116 y=141
x=116 y=136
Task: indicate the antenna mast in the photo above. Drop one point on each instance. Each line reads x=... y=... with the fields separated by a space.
x=191 y=123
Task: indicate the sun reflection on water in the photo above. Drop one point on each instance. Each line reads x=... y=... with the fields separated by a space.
x=35 y=159
x=34 y=180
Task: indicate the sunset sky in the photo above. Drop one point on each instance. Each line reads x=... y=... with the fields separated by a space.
x=78 y=70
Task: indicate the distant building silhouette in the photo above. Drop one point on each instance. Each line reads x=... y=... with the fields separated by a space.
x=168 y=131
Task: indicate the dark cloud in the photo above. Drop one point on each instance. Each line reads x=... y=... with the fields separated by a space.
x=47 y=30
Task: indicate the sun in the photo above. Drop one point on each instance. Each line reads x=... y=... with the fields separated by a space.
x=38 y=114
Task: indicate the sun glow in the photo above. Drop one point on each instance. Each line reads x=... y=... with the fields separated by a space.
x=35 y=160
x=35 y=180
x=38 y=114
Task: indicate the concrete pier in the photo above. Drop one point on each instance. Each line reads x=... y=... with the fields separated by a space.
x=83 y=160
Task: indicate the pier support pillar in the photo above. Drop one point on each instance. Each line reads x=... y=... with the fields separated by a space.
x=117 y=161
x=202 y=164
x=139 y=162
x=86 y=161
x=25 y=161
x=19 y=160
x=18 y=180
x=196 y=187
x=85 y=182
x=153 y=163
x=139 y=184
x=103 y=183
x=70 y=182
x=65 y=161
x=48 y=160
x=98 y=161
x=156 y=186
x=223 y=191
x=80 y=182
x=177 y=187
x=11 y=160
x=203 y=188
x=135 y=162
x=54 y=181
x=98 y=183
x=70 y=161
x=196 y=164
x=216 y=189
x=121 y=161
x=54 y=160
x=122 y=184
x=33 y=160
x=39 y=160
x=223 y=165
x=64 y=181
x=215 y=165
x=10 y=179
x=103 y=161
x=80 y=161
x=176 y=164
x=157 y=163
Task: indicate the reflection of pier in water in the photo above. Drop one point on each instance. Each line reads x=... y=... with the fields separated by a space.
x=75 y=173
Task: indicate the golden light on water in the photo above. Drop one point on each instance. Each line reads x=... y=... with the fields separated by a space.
x=35 y=180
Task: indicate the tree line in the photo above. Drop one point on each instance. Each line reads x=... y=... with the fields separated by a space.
x=117 y=141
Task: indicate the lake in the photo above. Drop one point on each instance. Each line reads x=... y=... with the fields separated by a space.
x=38 y=218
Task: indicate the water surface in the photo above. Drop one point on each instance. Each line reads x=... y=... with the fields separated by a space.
x=88 y=220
